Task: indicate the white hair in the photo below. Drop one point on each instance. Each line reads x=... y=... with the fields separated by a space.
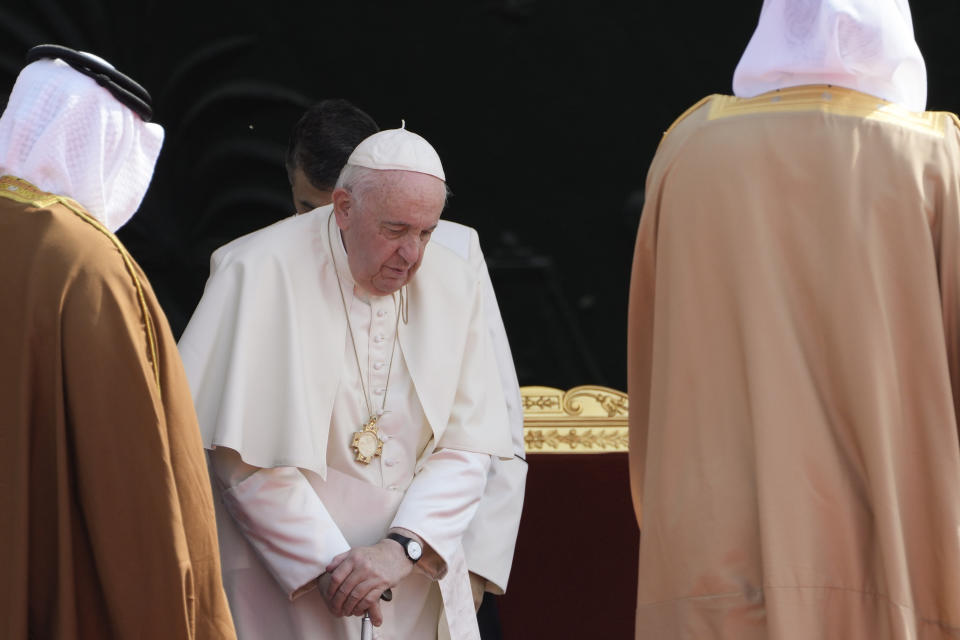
x=359 y=180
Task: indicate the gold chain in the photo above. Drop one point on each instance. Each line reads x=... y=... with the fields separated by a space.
x=353 y=341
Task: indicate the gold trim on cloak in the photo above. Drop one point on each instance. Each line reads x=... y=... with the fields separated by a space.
x=830 y=99
x=19 y=190
x=826 y=98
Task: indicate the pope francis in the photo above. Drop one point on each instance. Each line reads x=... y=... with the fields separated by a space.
x=347 y=388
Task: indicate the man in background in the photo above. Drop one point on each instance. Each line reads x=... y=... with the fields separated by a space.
x=108 y=524
x=793 y=361
x=320 y=143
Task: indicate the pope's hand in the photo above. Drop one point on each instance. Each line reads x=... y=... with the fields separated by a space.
x=359 y=576
x=323 y=582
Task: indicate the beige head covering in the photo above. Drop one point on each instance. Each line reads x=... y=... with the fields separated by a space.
x=397 y=149
x=866 y=45
x=69 y=136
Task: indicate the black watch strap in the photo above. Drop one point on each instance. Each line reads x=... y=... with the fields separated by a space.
x=405 y=543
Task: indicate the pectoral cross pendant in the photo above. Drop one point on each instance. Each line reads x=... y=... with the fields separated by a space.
x=367 y=442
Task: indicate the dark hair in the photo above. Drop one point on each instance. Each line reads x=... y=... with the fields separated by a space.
x=323 y=139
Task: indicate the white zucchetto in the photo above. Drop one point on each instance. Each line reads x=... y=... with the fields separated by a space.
x=397 y=149
x=865 y=45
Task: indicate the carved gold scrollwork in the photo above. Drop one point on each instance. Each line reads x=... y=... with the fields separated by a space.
x=540 y=402
x=613 y=402
x=573 y=439
x=585 y=419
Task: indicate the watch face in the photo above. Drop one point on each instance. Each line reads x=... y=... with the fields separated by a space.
x=414 y=550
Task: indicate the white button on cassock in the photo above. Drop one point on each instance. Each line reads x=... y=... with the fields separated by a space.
x=378 y=365
x=378 y=338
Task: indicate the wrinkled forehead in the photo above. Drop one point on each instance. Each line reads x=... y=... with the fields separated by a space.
x=399 y=182
x=407 y=195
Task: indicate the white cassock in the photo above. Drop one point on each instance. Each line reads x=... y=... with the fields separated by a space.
x=492 y=535
x=274 y=377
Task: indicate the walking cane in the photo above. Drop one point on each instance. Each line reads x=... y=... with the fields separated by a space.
x=366 y=625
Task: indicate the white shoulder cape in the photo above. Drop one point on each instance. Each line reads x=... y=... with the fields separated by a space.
x=265 y=347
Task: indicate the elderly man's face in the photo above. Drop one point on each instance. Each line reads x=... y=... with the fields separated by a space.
x=386 y=232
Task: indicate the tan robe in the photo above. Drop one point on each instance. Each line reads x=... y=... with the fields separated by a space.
x=793 y=372
x=108 y=526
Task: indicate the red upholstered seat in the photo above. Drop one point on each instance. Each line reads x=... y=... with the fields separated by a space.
x=575 y=567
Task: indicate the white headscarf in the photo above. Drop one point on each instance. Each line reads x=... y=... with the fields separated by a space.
x=865 y=45
x=69 y=136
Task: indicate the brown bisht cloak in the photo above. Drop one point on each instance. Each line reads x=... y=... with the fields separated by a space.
x=793 y=372
x=107 y=519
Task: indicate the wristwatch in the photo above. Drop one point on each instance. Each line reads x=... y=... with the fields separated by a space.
x=410 y=546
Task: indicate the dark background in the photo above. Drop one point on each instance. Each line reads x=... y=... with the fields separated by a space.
x=546 y=115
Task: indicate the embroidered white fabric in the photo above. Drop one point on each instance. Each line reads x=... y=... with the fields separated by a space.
x=69 y=136
x=865 y=45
